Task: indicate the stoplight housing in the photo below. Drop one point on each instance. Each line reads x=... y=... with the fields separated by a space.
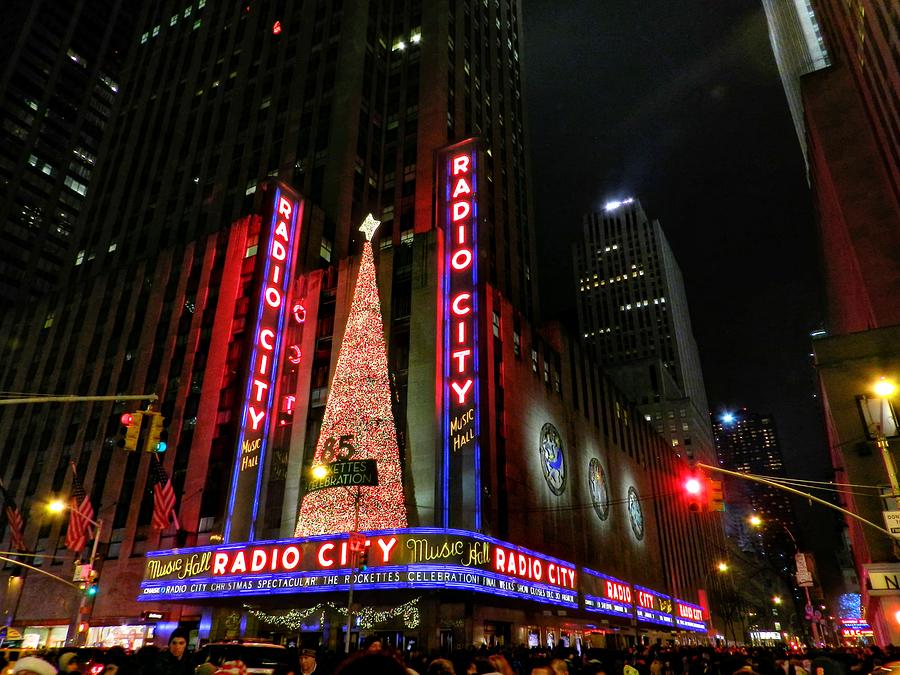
x=716 y=496
x=130 y=430
x=695 y=493
x=364 y=560
x=157 y=435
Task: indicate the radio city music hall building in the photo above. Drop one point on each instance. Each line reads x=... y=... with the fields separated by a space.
x=537 y=505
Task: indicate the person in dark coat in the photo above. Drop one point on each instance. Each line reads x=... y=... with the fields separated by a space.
x=175 y=660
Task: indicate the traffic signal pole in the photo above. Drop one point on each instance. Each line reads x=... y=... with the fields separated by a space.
x=76 y=399
x=806 y=495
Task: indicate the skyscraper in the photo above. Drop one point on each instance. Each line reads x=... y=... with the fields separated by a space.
x=58 y=90
x=183 y=285
x=633 y=314
x=852 y=140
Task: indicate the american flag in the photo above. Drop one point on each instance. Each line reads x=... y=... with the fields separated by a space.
x=16 y=524
x=80 y=517
x=163 y=498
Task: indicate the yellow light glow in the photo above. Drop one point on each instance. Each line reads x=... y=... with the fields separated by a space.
x=884 y=388
x=777 y=599
x=319 y=471
x=723 y=566
x=756 y=521
x=56 y=506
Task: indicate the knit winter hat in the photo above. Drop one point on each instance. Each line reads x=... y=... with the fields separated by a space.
x=32 y=664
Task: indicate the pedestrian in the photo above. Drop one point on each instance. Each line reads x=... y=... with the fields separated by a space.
x=371 y=663
x=32 y=665
x=308 y=662
x=68 y=663
x=175 y=661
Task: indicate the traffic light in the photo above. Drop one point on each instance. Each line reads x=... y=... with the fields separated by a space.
x=130 y=430
x=716 y=496
x=694 y=490
x=364 y=560
x=157 y=434
x=91 y=589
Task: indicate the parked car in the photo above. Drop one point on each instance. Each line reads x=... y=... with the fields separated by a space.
x=261 y=658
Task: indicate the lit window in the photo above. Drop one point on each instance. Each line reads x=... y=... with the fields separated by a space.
x=251 y=188
x=201 y=4
x=416 y=37
x=79 y=258
x=155 y=31
x=145 y=37
x=187 y=12
x=112 y=247
x=196 y=24
x=325 y=249
x=173 y=20
x=77 y=59
x=48 y=320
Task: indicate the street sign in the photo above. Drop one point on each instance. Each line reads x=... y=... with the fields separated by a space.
x=892 y=522
x=804 y=574
x=357 y=541
x=350 y=473
x=82 y=572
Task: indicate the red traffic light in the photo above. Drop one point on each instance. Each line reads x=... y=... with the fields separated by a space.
x=126 y=419
x=693 y=486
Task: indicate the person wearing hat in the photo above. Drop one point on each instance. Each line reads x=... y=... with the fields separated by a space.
x=175 y=661
x=32 y=665
x=68 y=662
x=308 y=661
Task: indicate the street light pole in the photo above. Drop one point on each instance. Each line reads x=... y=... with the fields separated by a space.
x=59 y=506
x=354 y=558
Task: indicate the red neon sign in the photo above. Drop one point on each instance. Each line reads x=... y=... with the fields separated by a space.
x=273 y=277
x=689 y=612
x=458 y=206
x=618 y=591
x=518 y=564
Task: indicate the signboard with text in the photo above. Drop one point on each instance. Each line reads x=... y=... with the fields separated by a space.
x=606 y=595
x=461 y=306
x=409 y=558
x=856 y=628
x=653 y=607
x=352 y=473
x=269 y=290
x=689 y=616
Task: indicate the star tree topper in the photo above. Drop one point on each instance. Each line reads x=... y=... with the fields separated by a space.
x=369 y=226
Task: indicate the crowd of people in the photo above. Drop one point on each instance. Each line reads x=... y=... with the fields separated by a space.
x=374 y=658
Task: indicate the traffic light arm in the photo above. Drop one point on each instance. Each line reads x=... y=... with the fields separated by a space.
x=76 y=399
x=38 y=569
x=764 y=481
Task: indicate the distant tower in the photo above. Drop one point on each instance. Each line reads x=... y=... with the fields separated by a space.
x=633 y=314
x=359 y=411
x=748 y=442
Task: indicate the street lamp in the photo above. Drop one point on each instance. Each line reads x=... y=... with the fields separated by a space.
x=881 y=421
x=58 y=506
x=722 y=566
x=319 y=471
x=756 y=521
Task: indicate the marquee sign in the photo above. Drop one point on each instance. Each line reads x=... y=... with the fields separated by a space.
x=407 y=558
x=689 y=617
x=457 y=204
x=352 y=473
x=856 y=628
x=607 y=595
x=273 y=275
x=653 y=607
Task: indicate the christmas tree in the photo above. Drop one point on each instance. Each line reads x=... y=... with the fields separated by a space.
x=359 y=413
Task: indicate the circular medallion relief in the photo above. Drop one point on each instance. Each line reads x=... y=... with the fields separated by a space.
x=553 y=461
x=635 y=513
x=599 y=489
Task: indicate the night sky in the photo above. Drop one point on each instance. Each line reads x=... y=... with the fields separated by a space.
x=679 y=104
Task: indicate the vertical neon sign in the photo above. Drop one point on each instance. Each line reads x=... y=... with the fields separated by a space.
x=273 y=276
x=458 y=209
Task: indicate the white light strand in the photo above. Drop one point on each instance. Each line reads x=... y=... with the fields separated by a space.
x=368 y=617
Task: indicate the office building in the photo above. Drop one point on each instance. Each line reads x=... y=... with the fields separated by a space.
x=58 y=90
x=258 y=137
x=633 y=315
x=852 y=138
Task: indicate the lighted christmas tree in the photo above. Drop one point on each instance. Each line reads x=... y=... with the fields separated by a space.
x=359 y=405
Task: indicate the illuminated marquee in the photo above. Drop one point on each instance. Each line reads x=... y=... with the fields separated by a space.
x=607 y=595
x=408 y=558
x=689 y=617
x=273 y=275
x=856 y=628
x=653 y=607
x=458 y=204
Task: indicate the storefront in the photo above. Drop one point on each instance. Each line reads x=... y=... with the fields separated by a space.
x=421 y=586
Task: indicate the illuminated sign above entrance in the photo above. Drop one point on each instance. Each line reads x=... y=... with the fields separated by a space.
x=653 y=607
x=408 y=558
x=457 y=197
x=607 y=595
x=688 y=616
x=273 y=275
